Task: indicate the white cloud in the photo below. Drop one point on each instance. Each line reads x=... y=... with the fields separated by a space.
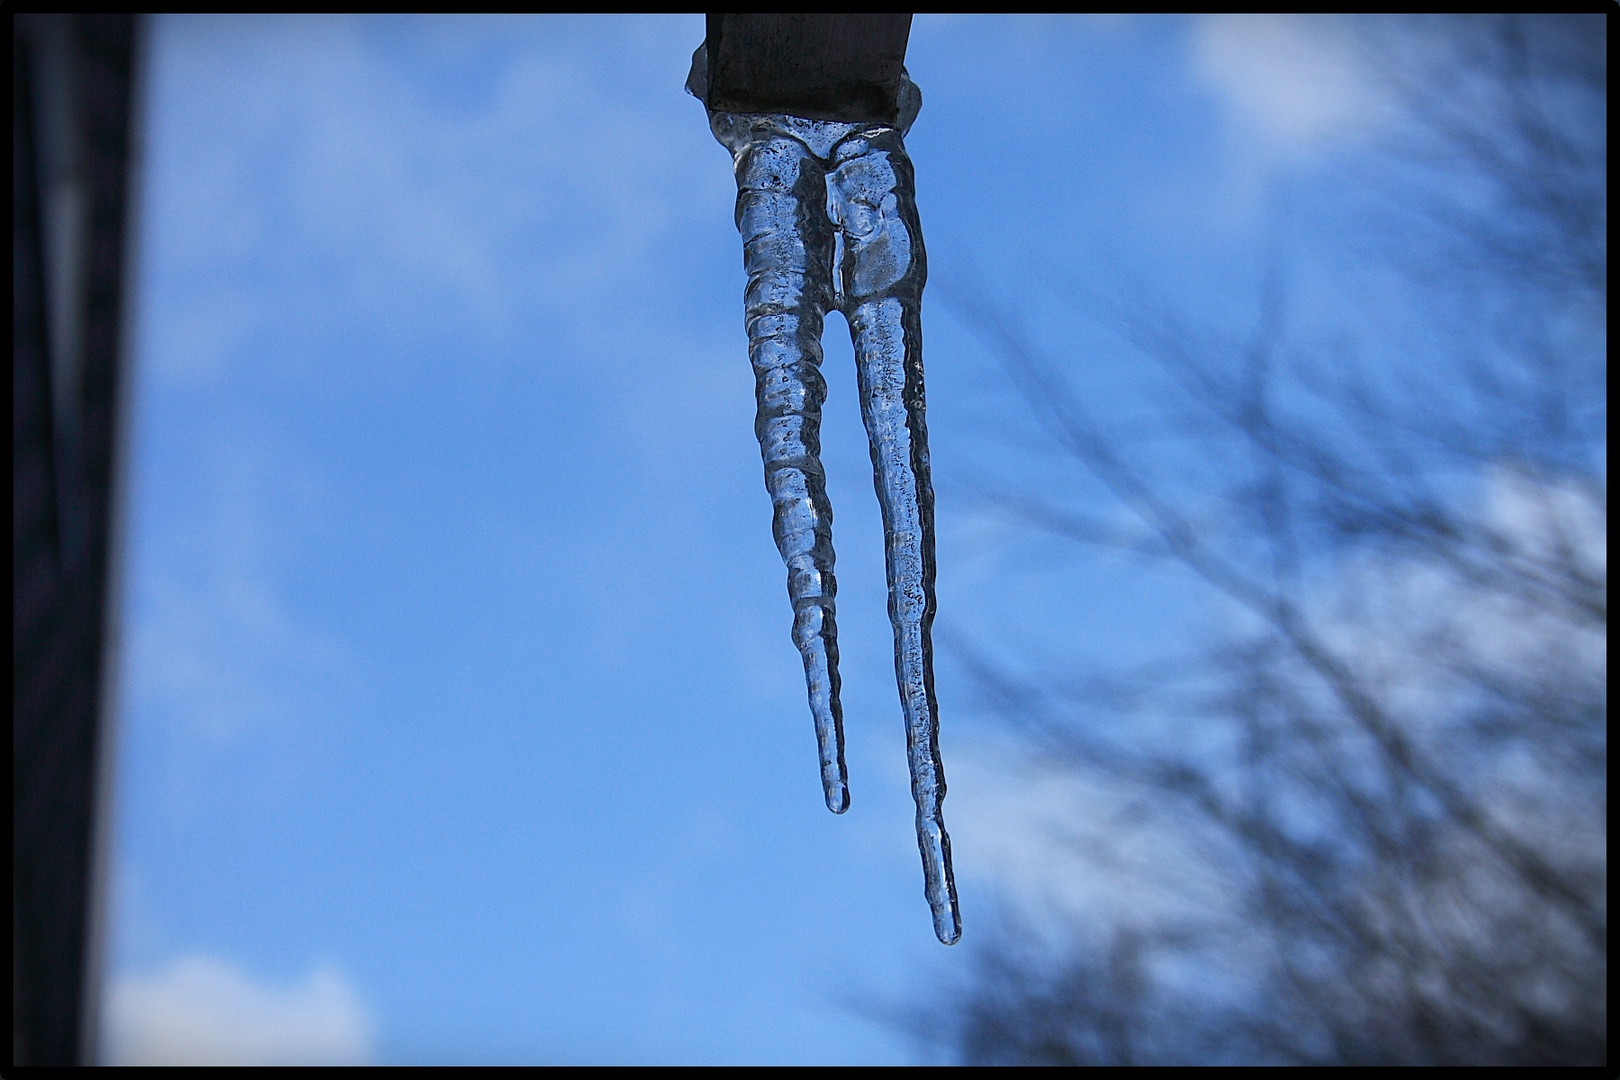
x=1068 y=849
x=204 y=1011
x=1395 y=617
x=1292 y=80
x=1065 y=850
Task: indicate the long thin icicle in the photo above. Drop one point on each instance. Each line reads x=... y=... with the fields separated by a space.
x=787 y=252
x=884 y=269
x=799 y=183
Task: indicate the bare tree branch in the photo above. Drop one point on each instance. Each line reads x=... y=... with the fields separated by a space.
x=1396 y=761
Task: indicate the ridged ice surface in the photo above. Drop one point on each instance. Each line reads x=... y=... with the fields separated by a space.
x=800 y=183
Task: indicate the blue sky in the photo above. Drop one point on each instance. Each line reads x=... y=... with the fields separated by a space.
x=459 y=719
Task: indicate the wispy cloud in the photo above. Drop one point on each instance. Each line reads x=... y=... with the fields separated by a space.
x=1293 y=81
x=202 y=1010
x=213 y=631
x=548 y=192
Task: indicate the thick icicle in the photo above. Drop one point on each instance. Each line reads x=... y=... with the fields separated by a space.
x=787 y=252
x=882 y=275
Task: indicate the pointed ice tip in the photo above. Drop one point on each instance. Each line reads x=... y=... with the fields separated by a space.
x=837 y=798
x=947 y=927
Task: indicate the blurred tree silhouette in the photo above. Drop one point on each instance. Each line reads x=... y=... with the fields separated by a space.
x=1379 y=795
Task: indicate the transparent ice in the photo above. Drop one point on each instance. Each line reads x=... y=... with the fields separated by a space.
x=828 y=218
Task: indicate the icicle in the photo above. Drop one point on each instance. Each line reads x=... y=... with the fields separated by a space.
x=873 y=203
x=787 y=252
x=798 y=181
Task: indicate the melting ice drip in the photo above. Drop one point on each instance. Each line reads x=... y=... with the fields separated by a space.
x=805 y=189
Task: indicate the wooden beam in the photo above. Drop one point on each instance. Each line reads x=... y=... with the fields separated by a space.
x=824 y=67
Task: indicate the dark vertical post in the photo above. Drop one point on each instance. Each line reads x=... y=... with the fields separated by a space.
x=71 y=124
